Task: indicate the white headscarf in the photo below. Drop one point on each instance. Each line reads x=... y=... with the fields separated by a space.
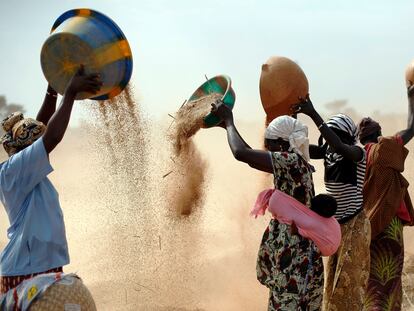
x=292 y=130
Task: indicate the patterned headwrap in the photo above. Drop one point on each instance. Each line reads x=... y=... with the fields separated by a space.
x=20 y=132
x=345 y=124
x=367 y=127
x=292 y=130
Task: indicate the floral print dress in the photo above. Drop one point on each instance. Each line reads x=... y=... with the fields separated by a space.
x=289 y=264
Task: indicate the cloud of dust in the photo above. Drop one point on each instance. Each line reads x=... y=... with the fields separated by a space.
x=187 y=177
x=185 y=184
x=130 y=253
x=156 y=262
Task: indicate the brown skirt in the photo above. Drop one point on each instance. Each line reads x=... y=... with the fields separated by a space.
x=9 y=282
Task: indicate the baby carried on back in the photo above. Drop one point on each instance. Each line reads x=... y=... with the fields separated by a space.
x=316 y=223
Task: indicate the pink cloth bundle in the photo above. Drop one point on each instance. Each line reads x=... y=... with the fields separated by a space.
x=325 y=232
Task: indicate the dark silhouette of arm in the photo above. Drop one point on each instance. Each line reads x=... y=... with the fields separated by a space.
x=60 y=119
x=316 y=152
x=408 y=133
x=258 y=159
x=350 y=152
x=48 y=107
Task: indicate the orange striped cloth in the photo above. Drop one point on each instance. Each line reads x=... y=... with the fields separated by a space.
x=384 y=186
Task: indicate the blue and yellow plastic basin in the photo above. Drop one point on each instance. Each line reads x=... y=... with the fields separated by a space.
x=84 y=36
x=219 y=84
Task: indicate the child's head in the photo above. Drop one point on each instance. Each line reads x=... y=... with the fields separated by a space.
x=324 y=205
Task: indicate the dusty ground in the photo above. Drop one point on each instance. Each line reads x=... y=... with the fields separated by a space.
x=134 y=256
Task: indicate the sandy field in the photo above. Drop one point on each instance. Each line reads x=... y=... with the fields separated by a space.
x=133 y=254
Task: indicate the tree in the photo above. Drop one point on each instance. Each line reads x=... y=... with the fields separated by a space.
x=341 y=106
x=336 y=105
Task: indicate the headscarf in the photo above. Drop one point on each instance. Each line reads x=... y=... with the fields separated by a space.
x=292 y=130
x=20 y=132
x=367 y=127
x=345 y=124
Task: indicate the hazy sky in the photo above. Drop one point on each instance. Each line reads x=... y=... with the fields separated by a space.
x=355 y=50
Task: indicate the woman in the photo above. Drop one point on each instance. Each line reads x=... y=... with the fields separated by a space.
x=388 y=206
x=37 y=232
x=344 y=160
x=288 y=264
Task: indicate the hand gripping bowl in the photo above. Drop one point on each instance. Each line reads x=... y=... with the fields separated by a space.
x=84 y=36
x=219 y=84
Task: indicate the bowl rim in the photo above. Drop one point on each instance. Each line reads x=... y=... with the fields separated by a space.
x=85 y=12
x=223 y=76
x=211 y=118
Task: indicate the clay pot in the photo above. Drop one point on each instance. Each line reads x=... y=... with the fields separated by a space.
x=409 y=74
x=282 y=82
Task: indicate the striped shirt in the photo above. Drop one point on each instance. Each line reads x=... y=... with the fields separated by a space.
x=344 y=180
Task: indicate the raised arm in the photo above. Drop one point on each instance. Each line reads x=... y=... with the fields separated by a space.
x=48 y=107
x=257 y=159
x=316 y=152
x=351 y=152
x=60 y=119
x=408 y=133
